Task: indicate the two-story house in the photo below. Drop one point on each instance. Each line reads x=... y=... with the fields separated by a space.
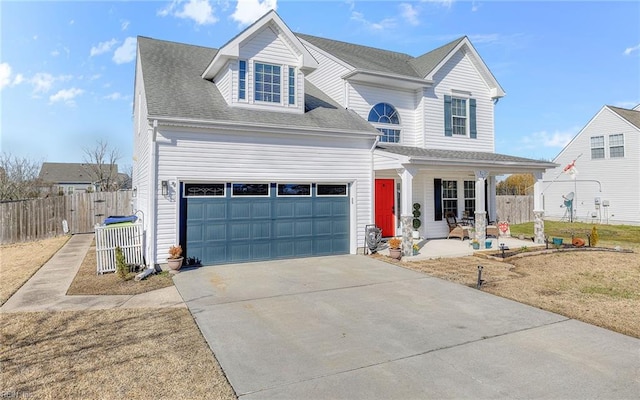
x=606 y=187
x=283 y=145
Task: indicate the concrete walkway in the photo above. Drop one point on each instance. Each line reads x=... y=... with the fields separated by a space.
x=351 y=327
x=46 y=290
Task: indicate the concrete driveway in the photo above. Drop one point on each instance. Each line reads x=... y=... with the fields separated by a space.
x=350 y=327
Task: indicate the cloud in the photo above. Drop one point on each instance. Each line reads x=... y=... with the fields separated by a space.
x=42 y=82
x=630 y=50
x=248 y=11
x=443 y=3
x=485 y=38
x=66 y=95
x=5 y=75
x=409 y=13
x=474 y=6
x=55 y=53
x=200 y=11
x=376 y=26
x=557 y=139
x=102 y=47
x=125 y=53
x=124 y=25
x=114 y=96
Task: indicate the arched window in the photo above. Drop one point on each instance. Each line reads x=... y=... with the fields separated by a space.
x=381 y=116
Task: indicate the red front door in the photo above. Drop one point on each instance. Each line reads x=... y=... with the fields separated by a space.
x=385 y=210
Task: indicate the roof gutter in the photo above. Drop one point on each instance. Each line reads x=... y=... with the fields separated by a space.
x=266 y=128
x=153 y=194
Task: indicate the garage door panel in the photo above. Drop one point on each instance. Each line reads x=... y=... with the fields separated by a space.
x=240 y=230
x=215 y=232
x=283 y=229
x=339 y=209
x=303 y=247
x=239 y=252
x=240 y=209
x=339 y=227
x=304 y=209
x=304 y=228
x=261 y=230
x=261 y=251
x=261 y=209
x=216 y=211
x=322 y=227
x=284 y=209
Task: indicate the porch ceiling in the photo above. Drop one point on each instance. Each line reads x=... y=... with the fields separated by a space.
x=458 y=159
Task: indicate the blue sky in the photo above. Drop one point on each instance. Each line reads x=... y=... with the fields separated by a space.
x=67 y=68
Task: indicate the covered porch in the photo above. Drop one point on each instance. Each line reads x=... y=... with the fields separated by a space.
x=438 y=182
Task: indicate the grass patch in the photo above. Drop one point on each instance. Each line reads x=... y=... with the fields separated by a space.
x=87 y=282
x=20 y=261
x=109 y=354
x=609 y=291
x=610 y=235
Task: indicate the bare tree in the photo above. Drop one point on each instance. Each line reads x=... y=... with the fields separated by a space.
x=18 y=178
x=102 y=164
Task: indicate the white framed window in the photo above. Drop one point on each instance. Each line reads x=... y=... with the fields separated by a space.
x=616 y=145
x=459 y=116
x=450 y=197
x=204 y=190
x=267 y=85
x=294 y=190
x=597 y=147
x=242 y=80
x=385 y=118
x=331 y=189
x=250 y=190
x=70 y=189
x=292 y=86
x=469 y=198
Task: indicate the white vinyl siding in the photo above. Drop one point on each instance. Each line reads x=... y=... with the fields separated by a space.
x=243 y=157
x=614 y=179
x=224 y=80
x=363 y=97
x=458 y=75
x=327 y=76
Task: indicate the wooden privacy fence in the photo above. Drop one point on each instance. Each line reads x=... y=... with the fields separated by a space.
x=34 y=219
x=127 y=237
x=515 y=209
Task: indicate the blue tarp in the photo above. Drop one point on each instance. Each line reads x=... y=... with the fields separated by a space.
x=116 y=219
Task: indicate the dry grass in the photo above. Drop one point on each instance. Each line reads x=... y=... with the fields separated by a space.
x=133 y=354
x=600 y=288
x=87 y=282
x=21 y=260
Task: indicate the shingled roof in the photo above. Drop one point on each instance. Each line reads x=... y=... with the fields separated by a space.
x=69 y=172
x=172 y=77
x=632 y=116
x=460 y=156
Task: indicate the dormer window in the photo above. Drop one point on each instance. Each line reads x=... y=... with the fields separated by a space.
x=292 y=85
x=267 y=83
x=242 y=80
x=383 y=116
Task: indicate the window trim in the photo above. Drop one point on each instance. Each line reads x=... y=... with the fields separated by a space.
x=233 y=194
x=471 y=125
x=592 y=148
x=186 y=195
x=617 y=146
x=291 y=86
x=388 y=129
x=242 y=78
x=272 y=93
x=293 y=195
x=346 y=185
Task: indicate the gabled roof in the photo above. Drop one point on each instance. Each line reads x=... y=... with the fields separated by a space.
x=463 y=158
x=630 y=115
x=174 y=87
x=231 y=50
x=69 y=172
x=424 y=67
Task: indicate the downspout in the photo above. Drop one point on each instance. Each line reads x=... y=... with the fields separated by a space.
x=153 y=195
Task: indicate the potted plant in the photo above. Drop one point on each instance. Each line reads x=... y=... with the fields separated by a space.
x=416 y=221
x=394 y=248
x=416 y=249
x=175 y=257
x=475 y=244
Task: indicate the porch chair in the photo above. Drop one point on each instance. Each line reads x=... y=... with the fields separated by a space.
x=492 y=228
x=455 y=229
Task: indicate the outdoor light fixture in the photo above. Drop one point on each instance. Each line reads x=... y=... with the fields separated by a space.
x=134 y=192
x=165 y=188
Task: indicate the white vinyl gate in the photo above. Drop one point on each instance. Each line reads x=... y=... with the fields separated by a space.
x=127 y=237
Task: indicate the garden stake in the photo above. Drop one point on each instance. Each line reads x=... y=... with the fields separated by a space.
x=480 y=280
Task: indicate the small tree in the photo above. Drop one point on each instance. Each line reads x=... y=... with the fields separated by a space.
x=121 y=264
x=102 y=165
x=18 y=178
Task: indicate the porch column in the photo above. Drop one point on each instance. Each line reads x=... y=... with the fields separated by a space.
x=480 y=212
x=406 y=197
x=538 y=209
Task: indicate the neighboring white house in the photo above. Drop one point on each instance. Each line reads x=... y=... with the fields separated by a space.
x=606 y=187
x=285 y=145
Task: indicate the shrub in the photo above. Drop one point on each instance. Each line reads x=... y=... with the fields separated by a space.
x=594 y=236
x=121 y=264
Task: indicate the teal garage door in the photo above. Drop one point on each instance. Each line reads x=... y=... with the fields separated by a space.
x=238 y=222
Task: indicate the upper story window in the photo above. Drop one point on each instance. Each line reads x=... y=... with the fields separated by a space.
x=460 y=116
x=292 y=85
x=597 y=147
x=267 y=83
x=382 y=115
x=616 y=145
x=242 y=80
